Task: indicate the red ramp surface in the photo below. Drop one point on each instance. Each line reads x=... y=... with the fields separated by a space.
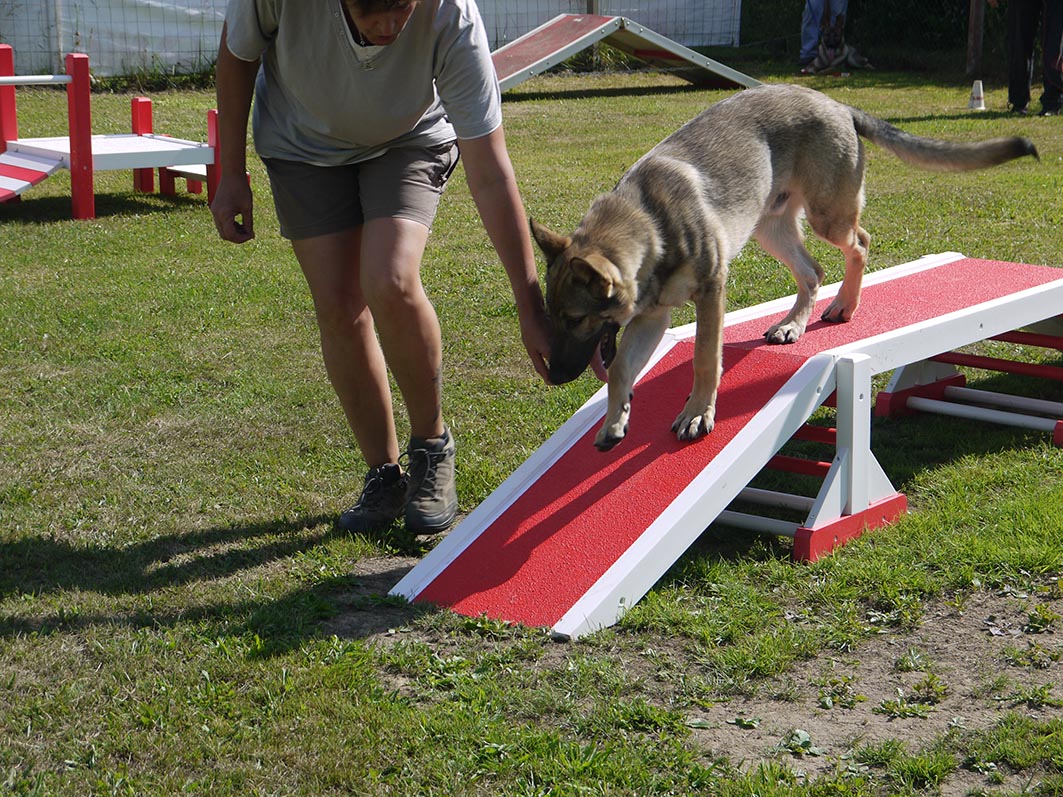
x=556 y=540
x=535 y=554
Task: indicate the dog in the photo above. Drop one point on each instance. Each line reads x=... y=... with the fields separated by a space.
x=833 y=52
x=749 y=166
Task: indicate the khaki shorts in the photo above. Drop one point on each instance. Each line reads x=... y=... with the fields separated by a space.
x=405 y=182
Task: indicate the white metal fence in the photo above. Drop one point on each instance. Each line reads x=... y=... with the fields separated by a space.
x=181 y=36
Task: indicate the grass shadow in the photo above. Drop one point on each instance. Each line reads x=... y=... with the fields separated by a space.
x=41 y=566
x=48 y=210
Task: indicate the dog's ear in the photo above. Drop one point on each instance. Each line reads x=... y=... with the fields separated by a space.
x=550 y=242
x=597 y=272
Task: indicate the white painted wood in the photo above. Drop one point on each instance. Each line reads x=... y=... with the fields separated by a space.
x=973 y=413
x=121 y=151
x=968 y=395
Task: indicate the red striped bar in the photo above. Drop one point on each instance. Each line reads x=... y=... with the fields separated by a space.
x=1036 y=339
x=1053 y=372
x=817 y=434
x=805 y=467
x=19 y=172
x=12 y=172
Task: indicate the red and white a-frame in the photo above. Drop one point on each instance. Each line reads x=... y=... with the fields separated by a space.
x=575 y=537
x=568 y=34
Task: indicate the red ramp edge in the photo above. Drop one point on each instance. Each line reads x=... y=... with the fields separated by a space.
x=571 y=521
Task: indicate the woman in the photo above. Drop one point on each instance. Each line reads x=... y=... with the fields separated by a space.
x=361 y=107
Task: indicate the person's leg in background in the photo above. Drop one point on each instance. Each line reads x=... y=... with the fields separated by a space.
x=1052 y=45
x=1022 y=18
x=810 y=20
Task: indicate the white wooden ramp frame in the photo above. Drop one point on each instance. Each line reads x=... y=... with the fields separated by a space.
x=855 y=484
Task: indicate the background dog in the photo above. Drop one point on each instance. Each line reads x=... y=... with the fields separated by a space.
x=833 y=52
x=749 y=166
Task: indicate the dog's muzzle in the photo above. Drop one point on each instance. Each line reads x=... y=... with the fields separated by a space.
x=569 y=358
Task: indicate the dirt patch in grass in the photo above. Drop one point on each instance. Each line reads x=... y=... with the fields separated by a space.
x=964 y=667
x=968 y=664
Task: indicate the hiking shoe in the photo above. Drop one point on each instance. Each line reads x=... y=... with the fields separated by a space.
x=431 y=498
x=381 y=502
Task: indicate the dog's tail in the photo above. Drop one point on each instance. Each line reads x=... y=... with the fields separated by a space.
x=942 y=156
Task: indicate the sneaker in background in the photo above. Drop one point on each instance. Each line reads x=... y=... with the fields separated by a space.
x=381 y=502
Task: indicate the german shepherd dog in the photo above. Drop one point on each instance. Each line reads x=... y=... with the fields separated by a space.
x=834 y=52
x=749 y=166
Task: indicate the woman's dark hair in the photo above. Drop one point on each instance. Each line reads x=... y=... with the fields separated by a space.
x=373 y=6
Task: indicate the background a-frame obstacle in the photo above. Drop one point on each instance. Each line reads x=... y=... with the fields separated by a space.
x=575 y=537
x=568 y=34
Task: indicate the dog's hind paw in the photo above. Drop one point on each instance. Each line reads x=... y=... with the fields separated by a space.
x=690 y=426
x=784 y=333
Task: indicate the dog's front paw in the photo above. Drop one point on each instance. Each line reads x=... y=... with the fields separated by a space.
x=614 y=429
x=784 y=332
x=609 y=435
x=691 y=423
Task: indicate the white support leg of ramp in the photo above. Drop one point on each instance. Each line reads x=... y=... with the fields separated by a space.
x=856 y=480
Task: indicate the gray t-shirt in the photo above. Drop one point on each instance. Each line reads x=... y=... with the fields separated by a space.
x=321 y=98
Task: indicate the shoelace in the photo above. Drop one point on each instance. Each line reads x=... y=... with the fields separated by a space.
x=374 y=486
x=421 y=458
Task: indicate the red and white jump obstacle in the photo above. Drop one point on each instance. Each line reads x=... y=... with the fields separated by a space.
x=28 y=161
x=575 y=537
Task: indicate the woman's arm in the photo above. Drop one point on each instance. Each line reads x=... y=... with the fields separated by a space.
x=494 y=190
x=232 y=206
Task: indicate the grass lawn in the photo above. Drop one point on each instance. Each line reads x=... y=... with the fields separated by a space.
x=178 y=613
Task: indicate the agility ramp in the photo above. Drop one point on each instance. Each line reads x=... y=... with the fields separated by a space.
x=567 y=34
x=575 y=536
